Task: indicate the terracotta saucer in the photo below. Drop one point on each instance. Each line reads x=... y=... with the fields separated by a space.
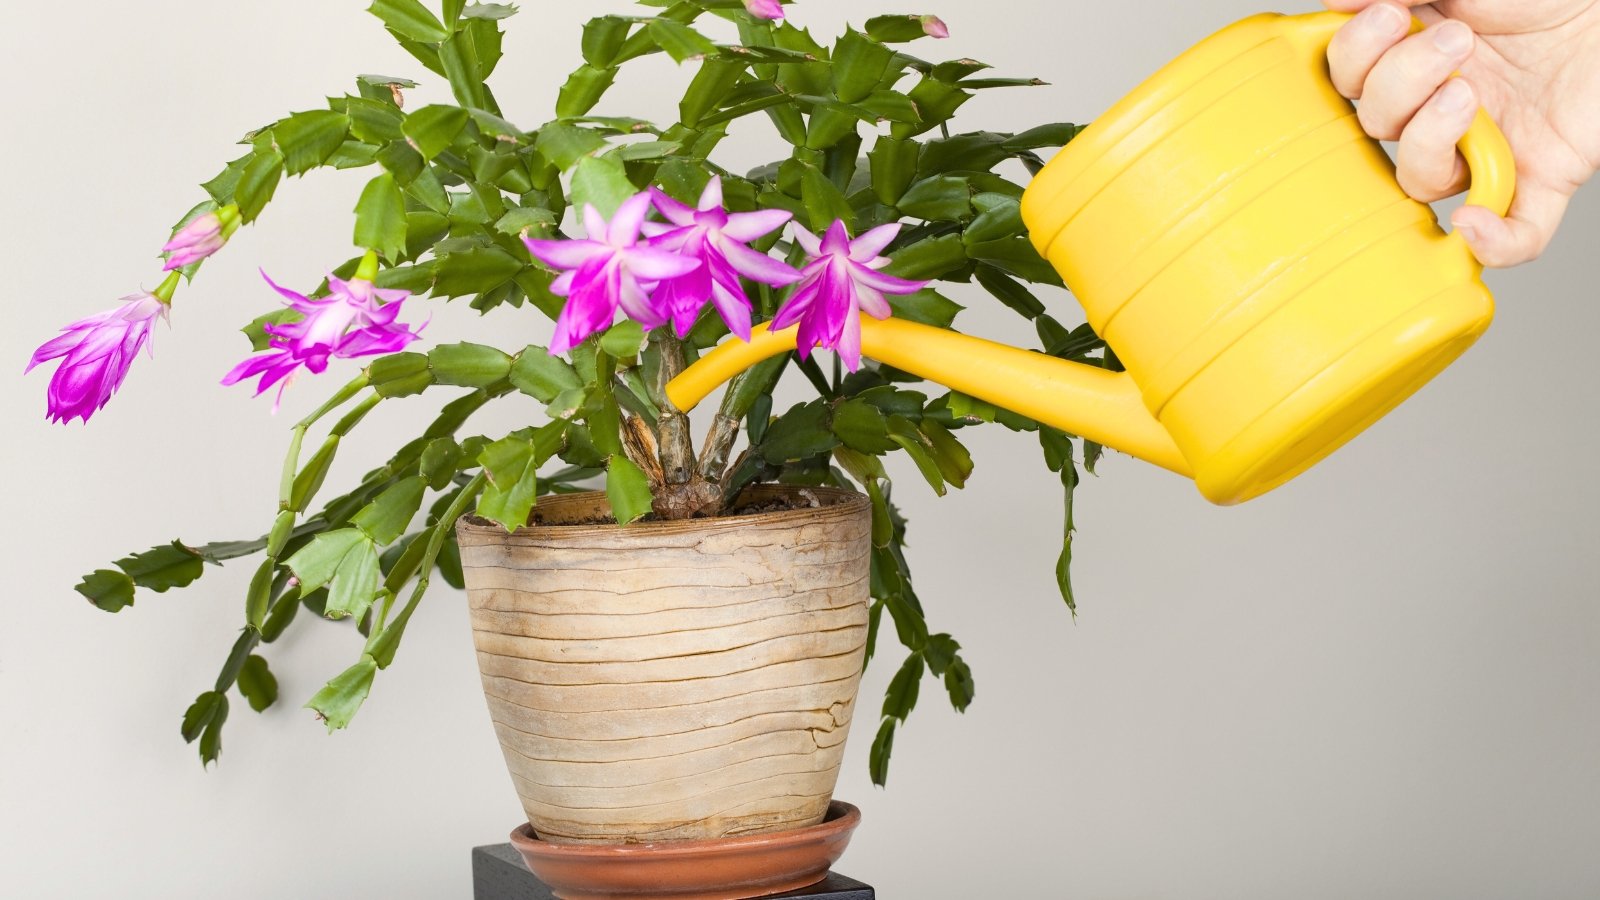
x=719 y=869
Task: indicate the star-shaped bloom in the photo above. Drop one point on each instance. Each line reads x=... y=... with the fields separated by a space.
x=610 y=269
x=357 y=318
x=720 y=241
x=839 y=283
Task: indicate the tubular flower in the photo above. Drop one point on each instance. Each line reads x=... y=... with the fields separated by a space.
x=764 y=9
x=356 y=319
x=840 y=282
x=719 y=240
x=96 y=353
x=608 y=270
x=201 y=237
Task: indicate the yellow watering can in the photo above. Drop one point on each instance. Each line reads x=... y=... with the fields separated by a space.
x=1243 y=246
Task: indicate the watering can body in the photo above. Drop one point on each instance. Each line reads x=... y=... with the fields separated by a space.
x=1245 y=249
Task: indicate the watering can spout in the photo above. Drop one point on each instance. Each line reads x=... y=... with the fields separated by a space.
x=1084 y=400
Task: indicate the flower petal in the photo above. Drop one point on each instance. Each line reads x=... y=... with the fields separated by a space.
x=591 y=304
x=681 y=299
x=867 y=247
x=391 y=295
x=798 y=304
x=563 y=283
x=711 y=197
x=837 y=298
x=564 y=338
x=624 y=228
x=734 y=309
x=594 y=223
x=837 y=240
x=383 y=315
x=848 y=343
x=656 y=265
x=889 y=284
x=808 y=242
x=675 y=212
x=747 y=226
x=55 y=348
x=757 y=266
x=636 y=304
x=568 y=254
x=872 y=302
x=293 y=298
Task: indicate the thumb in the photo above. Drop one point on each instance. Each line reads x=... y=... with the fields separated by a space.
x=1518 y=238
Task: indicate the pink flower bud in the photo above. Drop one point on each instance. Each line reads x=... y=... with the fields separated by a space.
x=934 y=27
x=764 y=9
x=201 y=237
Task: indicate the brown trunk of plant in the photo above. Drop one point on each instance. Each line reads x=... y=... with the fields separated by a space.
x=676 y=679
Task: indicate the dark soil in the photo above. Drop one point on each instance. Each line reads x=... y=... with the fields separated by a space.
x=755 y=506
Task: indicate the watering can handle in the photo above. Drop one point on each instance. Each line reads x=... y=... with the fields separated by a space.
x=1488 y=154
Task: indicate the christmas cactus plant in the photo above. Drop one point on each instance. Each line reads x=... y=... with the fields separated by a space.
x=645 y=252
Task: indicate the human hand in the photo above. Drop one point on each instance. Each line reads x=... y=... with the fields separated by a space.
x=1533 y=64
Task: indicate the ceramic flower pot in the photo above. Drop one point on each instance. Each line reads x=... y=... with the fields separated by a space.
x=672 y=680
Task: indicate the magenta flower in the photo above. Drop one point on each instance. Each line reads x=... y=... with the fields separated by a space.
x=764 y=9
x=356 y=319
x=608 y=270
x=934 y=27
x=839 y=282
x=96 y=352
x=201 y=237
x=719 y=240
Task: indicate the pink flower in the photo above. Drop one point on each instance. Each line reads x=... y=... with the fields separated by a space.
x=934 y=27
x=97 y=352
x=838 y=283
x=356 y=319
x=201 y=237
x=608 y=270
x=764 y=9
x=719 y=240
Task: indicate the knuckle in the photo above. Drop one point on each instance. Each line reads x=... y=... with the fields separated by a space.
x=1375 y=121
x=1421 y=184
x=1346 y=80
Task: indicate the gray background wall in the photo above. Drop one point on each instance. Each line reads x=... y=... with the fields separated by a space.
x=1377 y=682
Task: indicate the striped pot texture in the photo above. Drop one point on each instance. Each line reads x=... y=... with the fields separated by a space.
x=672 y=680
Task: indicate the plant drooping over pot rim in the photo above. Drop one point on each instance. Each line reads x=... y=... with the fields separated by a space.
x=580 y=219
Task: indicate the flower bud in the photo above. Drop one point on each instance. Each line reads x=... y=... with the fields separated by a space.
x=200 y=237
x=764 y=9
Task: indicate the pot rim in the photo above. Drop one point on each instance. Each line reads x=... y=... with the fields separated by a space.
x=843 y=503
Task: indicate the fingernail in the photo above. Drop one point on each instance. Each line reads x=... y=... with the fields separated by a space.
x=1384 y=20
x=1456 y=97
x=1467 y=231
x=1453 y=38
